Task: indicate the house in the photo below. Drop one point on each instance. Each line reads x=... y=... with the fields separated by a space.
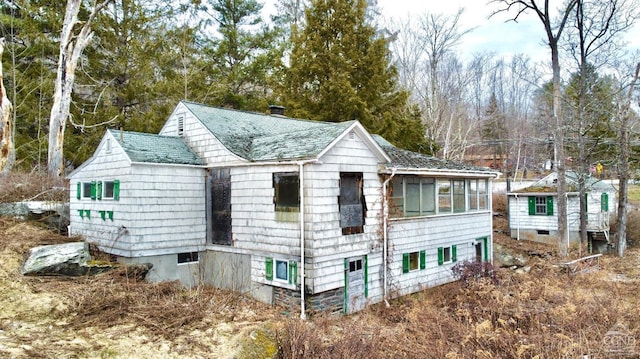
x=314 y=216
x=533 y=213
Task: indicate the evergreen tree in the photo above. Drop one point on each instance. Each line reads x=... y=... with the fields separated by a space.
x=339 y=70
x=244 y=56
x=494 y=132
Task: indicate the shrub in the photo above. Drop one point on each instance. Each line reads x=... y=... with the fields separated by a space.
x=473 y=271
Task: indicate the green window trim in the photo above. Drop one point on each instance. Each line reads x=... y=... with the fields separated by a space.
x=99 y=190
x=81 y=213
x=116 y=190
x=268 y=263
x=604 y=202
x=532 y=205
x=78 y=190
x=93 y=190
x=103 y=215
x=454 y=253
x=549 y=206
x=293 y=272
x=87 y=212
x=440 y=256
x=423 y=259
x=110 y=215
x=405 y=263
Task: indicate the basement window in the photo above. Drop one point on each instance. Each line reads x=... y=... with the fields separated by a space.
x=285 y=271
x=543 y=232
x=187 y=257
x=413 y=261
x=447 y=255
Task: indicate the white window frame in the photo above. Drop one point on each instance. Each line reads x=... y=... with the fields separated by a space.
x=447 y=251
x=190 y=255
x=276 y=261
x=86 y=190
x=104 y=189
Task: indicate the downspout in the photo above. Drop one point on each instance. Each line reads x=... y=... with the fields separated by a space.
x=303 y=315
x=518 y=214
x=385 y=215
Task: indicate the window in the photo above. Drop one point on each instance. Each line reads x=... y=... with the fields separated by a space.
x=351 y=203
x=444 y=196
x=540 y=205
x=108 y=189
x=285 y=271
x=413 y=261
x=87 y=188
x=459 y=204
x=286 y=192
x=477 y=195
x=412 y=196
x=187 y=257
x=447 y=255
x=219 y=206
x=108 y=145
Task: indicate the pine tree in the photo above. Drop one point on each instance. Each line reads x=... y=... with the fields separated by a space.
x=339 y=71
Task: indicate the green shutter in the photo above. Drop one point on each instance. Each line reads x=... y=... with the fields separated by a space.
x=405 y=263
x=110 y=214
x=99 y=194
x=268 y=263
x=293 y=272
x=423 y=259
x=486 y=249
x=81 y=213
x=78 y=190
x=604 y=202
x=87 y=213
x=93 y=190
x=549 y=206
x=366 y=277
x=440 y=256
x=116 y=190
x=454 y=253
x=532 y=206
x=103 y=215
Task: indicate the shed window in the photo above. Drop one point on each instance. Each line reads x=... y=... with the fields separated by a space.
x=285 y=271
x=351 y=203
x=108 y=189
x=86 y=189
x=540 y=205
x=286 y=192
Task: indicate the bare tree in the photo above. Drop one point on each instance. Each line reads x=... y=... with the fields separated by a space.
x=71 y=47
x=595 y=42
x=7 y=145
x=553 y=31
x=624 y=116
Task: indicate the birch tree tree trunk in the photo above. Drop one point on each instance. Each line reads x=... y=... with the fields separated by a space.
x=71 y=47
x=7 y=145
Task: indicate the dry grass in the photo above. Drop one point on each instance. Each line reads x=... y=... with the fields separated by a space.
x=33 y=186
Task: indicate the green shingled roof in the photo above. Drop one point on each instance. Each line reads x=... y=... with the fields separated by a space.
x=145 y=147
x=412 y=160
x=259 y=137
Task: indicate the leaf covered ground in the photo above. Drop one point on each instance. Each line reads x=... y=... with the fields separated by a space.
x=548 y=312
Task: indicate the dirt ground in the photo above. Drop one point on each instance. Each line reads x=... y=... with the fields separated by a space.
x=545 y=312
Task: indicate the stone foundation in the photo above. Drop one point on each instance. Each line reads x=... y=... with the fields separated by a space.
x=331 y=302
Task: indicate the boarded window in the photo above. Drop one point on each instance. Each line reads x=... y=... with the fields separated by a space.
x=286 y=188
x=220 y=206
x=351 y=203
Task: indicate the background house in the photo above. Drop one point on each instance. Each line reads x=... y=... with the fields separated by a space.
x=311 y=215
x=533 y=211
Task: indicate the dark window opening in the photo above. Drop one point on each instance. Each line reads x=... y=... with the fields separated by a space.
x=86 y=190
x=187 y=257
x=543 y=232
x=351 y=202
x=286 y=192
x=220 y=206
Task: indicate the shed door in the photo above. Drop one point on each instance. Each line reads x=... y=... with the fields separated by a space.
x=219 y=206
x=355 y=284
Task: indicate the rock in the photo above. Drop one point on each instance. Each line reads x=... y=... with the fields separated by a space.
x=66 y=259
x=508 y=257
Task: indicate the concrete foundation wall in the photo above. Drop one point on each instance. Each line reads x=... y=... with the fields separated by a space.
x=551 y=238
x=166 y=268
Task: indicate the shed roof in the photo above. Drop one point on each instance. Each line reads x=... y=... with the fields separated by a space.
x=550 y=184
x=150 y=148
x=259 y=137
